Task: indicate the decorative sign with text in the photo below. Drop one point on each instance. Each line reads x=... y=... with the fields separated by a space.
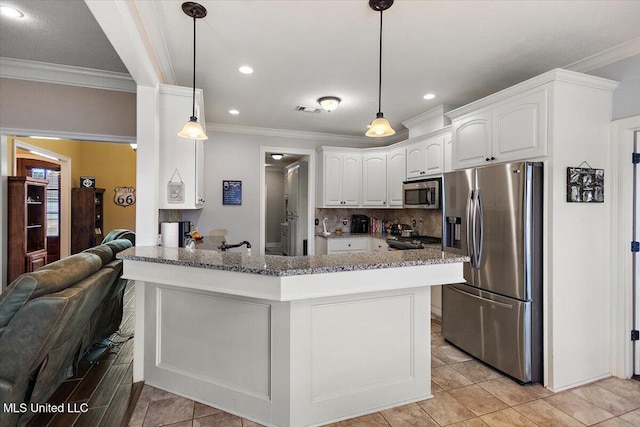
x=231 y=192
x=124 y=196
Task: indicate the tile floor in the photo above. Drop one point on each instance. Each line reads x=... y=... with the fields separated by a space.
x=466 y=394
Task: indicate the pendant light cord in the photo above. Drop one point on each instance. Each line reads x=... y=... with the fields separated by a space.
x=380 y=69
x=193 y=97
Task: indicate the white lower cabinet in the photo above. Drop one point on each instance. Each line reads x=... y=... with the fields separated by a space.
x=378 y=245
x=343 y=245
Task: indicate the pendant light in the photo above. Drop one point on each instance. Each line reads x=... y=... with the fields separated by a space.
x=380 y=127
x=192 y=129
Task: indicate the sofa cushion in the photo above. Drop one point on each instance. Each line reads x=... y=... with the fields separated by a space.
x=119 y=245
x=103 y=251
x=51 y=278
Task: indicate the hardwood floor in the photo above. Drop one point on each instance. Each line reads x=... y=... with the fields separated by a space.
x=105 y=385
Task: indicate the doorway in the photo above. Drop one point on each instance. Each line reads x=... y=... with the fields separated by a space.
x=287 y=201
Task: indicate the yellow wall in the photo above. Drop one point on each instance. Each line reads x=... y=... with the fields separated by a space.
x=113 y=165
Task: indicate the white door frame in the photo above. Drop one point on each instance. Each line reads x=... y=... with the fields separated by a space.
x=311 y=202
x=621 y=259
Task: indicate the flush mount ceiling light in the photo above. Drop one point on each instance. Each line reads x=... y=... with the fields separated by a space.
x=245 y=69
x=380 y=126
x=192 y=129
x=329 y=103
x=276 y=156
x=11 y=12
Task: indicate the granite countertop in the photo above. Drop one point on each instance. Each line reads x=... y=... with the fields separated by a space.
x=276 y=265
x=333 y=235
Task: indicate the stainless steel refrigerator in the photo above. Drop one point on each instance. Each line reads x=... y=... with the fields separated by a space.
x=493 y=214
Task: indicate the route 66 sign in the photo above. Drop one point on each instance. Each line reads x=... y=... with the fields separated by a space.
x=124 y=196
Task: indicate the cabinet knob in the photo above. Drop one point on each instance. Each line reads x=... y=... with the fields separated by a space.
x=487 y=159
x=384 y=203
x=349 y=245
x=493 y=158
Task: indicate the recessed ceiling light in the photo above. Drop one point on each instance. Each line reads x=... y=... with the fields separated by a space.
x=245 y=69
x=11 y=12
x=276 y=156
x=234 y=112
x=429 y=96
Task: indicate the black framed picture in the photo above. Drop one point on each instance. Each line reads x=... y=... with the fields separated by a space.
x=88 y=181
x=231 y=192
x=585 y=185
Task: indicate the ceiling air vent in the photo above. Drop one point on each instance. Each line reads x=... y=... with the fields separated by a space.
x=308 y=109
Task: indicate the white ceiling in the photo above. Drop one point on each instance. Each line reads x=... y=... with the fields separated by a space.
x=302 y=50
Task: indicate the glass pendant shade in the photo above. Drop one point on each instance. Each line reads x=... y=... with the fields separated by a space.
x=380 y=127
x=193 y=130
x=329 y=103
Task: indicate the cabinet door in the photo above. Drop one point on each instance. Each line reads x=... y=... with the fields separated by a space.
x=472 y=140
x=396 y=174
x=415 y=160
x=199 y=173
x=345 y=245
x=520 y=127
x=448 y=153
x=351 y=179
x=374 y=179
x=433 y=154
x=332 y=179
x=35 y=260
x=379 y=245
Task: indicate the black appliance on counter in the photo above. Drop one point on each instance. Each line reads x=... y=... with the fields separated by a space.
x=359 y=223
x=184 y=230
x=400 y=243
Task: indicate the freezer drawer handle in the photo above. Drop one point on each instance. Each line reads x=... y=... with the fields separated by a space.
x=496 y=303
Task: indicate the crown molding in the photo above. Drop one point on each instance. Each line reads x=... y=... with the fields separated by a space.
x=434 y=113
x=609 y=56
x=284 y=133
x=64 y=74
x=72 y=136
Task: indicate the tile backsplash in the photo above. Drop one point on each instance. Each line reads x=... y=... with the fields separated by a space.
x=428 y=222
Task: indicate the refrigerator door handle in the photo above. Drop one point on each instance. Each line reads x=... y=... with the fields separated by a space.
x=492 y=302
x=470 y=230
x=480 y=225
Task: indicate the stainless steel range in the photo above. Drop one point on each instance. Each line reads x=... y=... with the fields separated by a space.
x=414 y=242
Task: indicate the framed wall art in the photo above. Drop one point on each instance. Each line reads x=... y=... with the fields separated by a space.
x=585 y=184
x=231 y=192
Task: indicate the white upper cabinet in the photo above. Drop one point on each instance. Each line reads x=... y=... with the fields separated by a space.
x=341 y=176
x=374 y=179
x=181 y=161
x=448 y=153
x=511 y=129
x=425 y=157
x=396 y=174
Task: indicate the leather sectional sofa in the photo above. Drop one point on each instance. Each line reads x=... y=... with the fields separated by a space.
x=50 y=317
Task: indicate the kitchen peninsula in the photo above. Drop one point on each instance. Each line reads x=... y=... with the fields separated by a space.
x=287 y=341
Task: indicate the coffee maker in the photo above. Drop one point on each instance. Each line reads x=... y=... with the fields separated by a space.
x=184 y=230
x=359 y=223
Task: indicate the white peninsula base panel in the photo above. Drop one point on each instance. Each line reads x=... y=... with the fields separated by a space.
x=287 y=341
x=292 y=363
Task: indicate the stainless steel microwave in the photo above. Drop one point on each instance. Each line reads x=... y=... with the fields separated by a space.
x=423 y=194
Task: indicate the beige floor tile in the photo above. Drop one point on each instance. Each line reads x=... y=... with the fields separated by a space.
x=218 y=420
x=477 y=400
x=546 y=415
x=473 y=422
x=200 y=410
x=449 y=378
x=149 y=394
x=632 y=417
x=168 y=411
x=445 y=409
x=370 y=420
x=605 y=399
x=629 y=389
x=509 y=391
x=476 y=371
x=188 y=423
x=435 y=388
x=424 y=421
x=247 y=423
x=449 y=354
x=578 y=408
x=436 y=363
x=137 y=418
x=403 y=413
x=507 y=418
x=615 y=422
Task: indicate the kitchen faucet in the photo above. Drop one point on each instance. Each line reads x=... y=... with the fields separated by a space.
x=223 y=246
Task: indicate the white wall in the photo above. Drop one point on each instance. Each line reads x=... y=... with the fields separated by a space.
x=236 y=156
x=275 y=204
